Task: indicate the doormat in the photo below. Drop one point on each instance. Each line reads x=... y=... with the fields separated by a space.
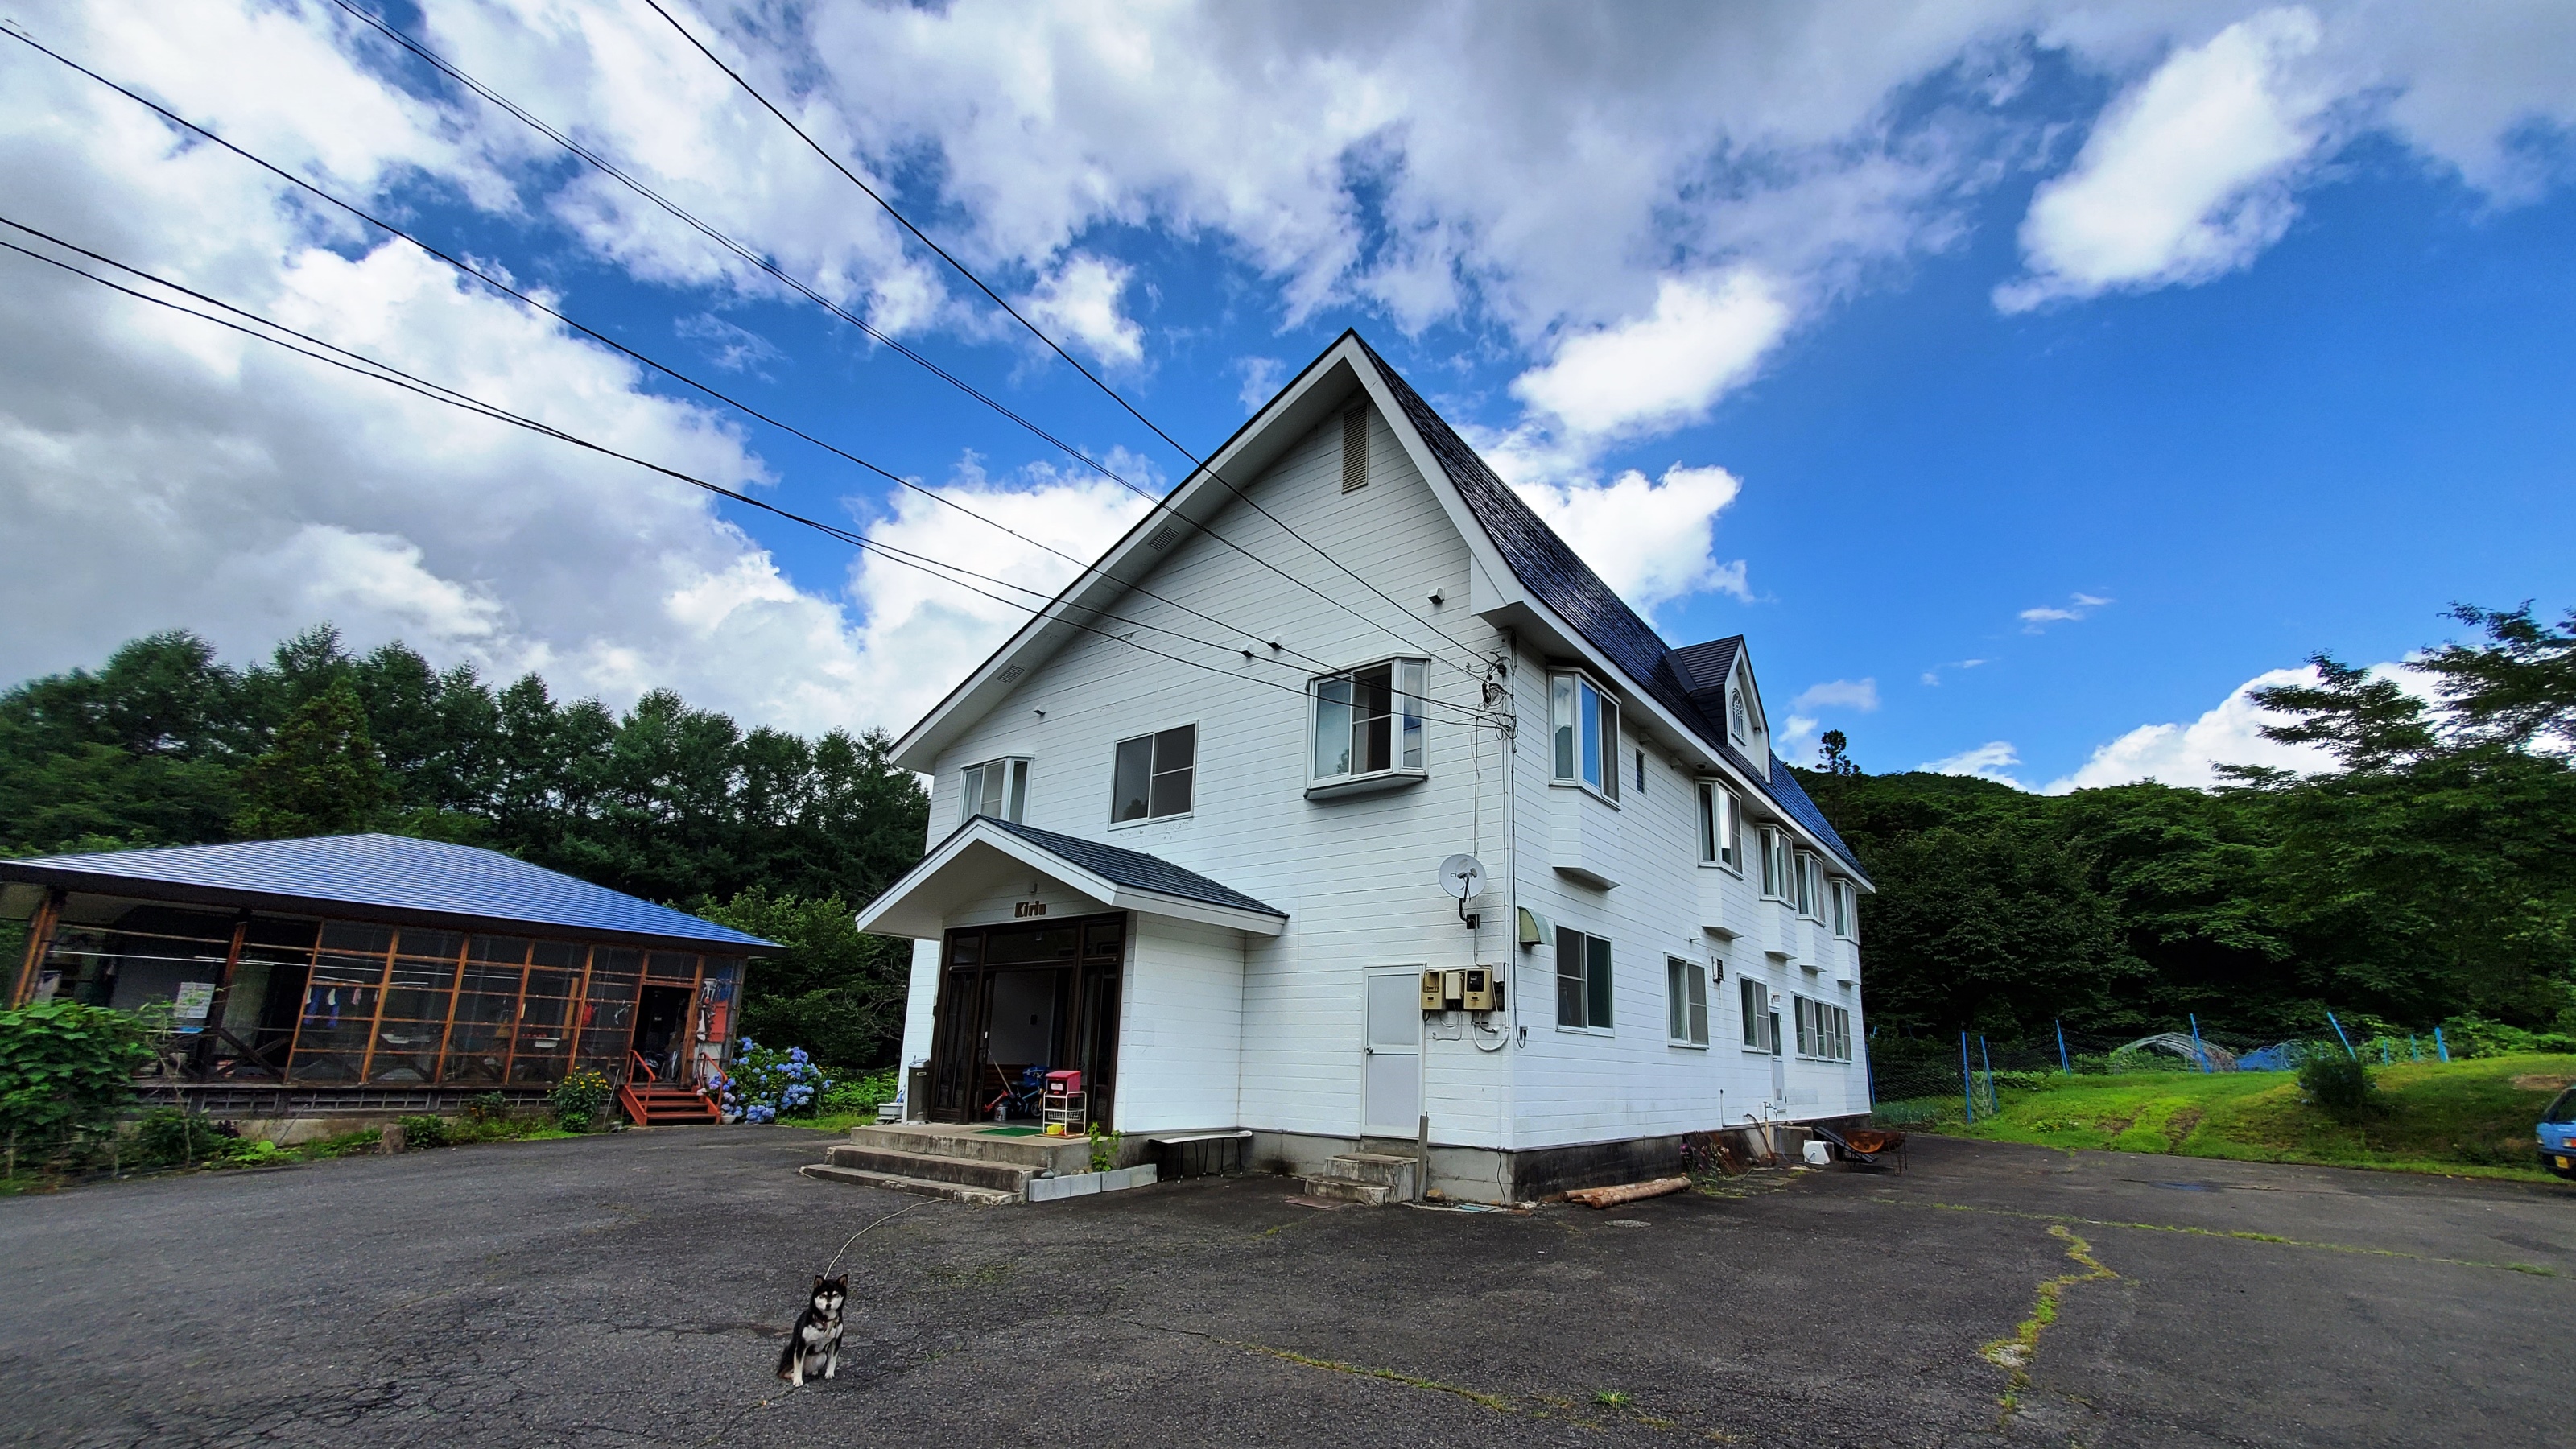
x=1014 y=1132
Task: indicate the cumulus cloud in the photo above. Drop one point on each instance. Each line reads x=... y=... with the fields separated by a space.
x=2188 y=175
x=1994 y=760
x=1650 y=540
x=1852 y=694
x=1261 y=379
x=1078 y=303
x=1703 y=338
x=2190 y=754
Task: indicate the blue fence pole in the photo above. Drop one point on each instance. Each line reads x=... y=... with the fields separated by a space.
x=2062 y=1064
x=1967 y=1083
x=2412 y=1049
x=2339 y=1036
x=2197 y=1049
x=2440 y=1045
x=1994 y=1104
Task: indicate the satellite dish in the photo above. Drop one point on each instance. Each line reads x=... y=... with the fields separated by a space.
x=1462 y=876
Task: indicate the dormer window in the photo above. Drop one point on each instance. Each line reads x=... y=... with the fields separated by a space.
x=1738 y=719
x=1584 y=728
x=999 y=788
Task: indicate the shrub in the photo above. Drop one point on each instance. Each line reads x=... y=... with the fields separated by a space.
x=861 y=1094
x=577 y=1100
x=167 y=1135
x=487 y=1107
x=1104 y=1149
x=767 y=1084
x=2338 y=1086
x=65 y=1069
x=423 y=1131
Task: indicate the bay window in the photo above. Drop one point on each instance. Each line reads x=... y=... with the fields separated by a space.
x=1846 y=904
x=999 y=788
x=1721 y=827
x=1773 y=846
x=1368 y=721
x=1584 y=727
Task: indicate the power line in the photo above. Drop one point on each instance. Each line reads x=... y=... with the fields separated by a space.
x=755 y=259
x=504 y=288
x=1200 y=464
x=362 y=365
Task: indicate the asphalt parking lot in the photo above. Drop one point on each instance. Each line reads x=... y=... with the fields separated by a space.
x=633 y=1290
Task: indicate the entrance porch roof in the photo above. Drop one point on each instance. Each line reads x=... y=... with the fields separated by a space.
x=985 y=855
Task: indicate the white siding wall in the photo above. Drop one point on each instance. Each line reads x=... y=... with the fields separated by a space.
x=1180 y=1028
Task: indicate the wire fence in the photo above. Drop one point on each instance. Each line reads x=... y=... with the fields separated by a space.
x=1925 y=1082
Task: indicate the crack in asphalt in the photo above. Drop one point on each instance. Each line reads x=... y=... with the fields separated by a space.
x=2536 y=1270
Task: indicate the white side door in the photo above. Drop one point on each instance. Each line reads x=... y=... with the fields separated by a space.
x=1391 y=1064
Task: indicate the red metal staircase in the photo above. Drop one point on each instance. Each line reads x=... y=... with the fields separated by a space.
x=650 y=1102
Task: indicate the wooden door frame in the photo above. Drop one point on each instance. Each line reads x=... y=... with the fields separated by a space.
x=969 y=990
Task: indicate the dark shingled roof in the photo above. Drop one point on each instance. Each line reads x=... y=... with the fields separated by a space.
x=1550 y=569
x=1133 y=868
x=369 y=875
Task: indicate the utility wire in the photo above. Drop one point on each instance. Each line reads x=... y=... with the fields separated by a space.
x=504 y=288
x=362 y=365
x=1197 y=462
x=756 y=259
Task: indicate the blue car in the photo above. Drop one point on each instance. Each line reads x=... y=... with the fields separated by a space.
x=2558 y=1135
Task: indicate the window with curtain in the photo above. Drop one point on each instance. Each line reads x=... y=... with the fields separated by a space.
x=1584 y=724
x=1582 y=980
x=999 y=788
x=1368 y=721
x=1154 y=774
x=1686 y=1001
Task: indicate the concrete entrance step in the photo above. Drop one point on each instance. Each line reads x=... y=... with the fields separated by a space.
x=896 y=1182
x=1062 y=1156
x=1374 y=1178
x=1004 y=1177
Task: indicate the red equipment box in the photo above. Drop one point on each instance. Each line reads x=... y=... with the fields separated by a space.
x=1063 y=1084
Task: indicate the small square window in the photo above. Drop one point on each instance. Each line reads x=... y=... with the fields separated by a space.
x=1686 y=1001
x=1154 y=774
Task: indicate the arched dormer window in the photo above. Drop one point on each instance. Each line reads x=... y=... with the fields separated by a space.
x=1737 y=719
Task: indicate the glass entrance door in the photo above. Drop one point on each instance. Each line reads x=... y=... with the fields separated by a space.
x=1391 y=1061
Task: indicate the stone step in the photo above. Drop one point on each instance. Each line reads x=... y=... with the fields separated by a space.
x=920 y=1186
x=1343 y=1189
x=1383 y=1169
x=1063 y=1156
x=1006 y=1177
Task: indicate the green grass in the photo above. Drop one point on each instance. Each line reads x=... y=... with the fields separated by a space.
x=2461 y=1118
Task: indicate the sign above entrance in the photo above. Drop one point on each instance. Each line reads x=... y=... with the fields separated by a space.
x=1028 y=909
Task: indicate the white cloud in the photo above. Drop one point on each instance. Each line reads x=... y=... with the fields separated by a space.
x=2037 y=620
x=1795 y=735
x=1261 y=379
x=1854 y=694
x=1994 y=760
x=2188 y=175
x=1078 y=303
x=1704 y=338
x=2190 y=754
x=1650 y=541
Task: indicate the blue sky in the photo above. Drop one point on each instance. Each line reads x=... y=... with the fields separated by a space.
x=2131 y=353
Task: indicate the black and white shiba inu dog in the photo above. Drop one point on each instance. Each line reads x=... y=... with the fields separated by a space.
x=814 y=1344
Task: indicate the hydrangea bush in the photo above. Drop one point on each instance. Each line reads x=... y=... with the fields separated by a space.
x=767 y=1084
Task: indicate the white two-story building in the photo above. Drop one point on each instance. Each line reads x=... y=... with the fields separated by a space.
x=1187 y=828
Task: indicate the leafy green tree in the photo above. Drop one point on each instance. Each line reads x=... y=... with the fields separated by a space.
x=837 y=993
x=321 y=777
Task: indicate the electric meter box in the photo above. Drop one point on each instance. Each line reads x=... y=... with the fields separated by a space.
x=1433 y=997
x=1483 y=989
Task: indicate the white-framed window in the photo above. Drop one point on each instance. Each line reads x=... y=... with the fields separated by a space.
x=1772 y=844
x=1686 y=1001
x=1739 y=721
x=1760 y=1031
x=1584 y=727
x=1154 y=775
x=999 y=788
x=1824 y=1030
x=1721 y=827
x=1582 y=980
x=1846 y=903
x=1808 y=881
x=1368 y=721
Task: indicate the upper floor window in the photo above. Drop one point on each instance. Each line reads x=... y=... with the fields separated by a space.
x=1738 y=721
x=1721 y=826
x=1369 y=720
x=1810 y=885
x=1773 y=847
x=1582 y=980
x=1585 y=729
x=1846 y=904
x=1154 y=771
x=999 y=788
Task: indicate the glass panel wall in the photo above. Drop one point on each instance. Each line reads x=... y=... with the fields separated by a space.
x=608 y=1008
x=546 y=1013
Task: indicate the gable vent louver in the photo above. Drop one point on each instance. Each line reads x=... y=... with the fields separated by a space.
x=1355 y=439
x=1012 y=674
x=1162 y=538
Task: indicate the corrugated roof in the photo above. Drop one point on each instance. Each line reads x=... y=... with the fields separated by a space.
x=1134 y=868
x=387 y=874
x=1551 y=569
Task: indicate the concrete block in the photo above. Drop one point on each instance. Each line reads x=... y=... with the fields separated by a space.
x=1049 y=1189
x=1140 y=1175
